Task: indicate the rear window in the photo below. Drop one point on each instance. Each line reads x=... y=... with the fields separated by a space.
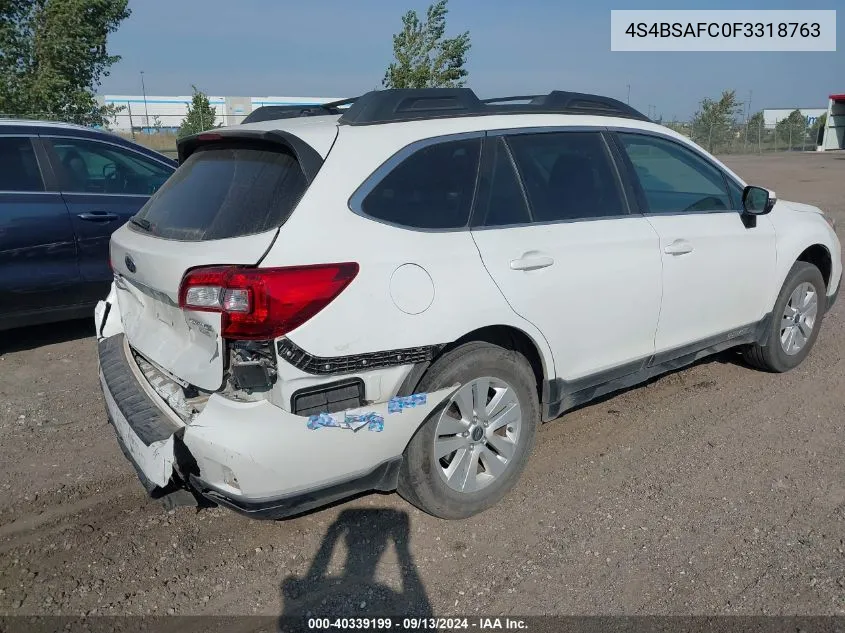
x=431 y=189
x=224 y=192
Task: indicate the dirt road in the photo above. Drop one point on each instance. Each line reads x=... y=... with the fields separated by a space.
x=714 y=490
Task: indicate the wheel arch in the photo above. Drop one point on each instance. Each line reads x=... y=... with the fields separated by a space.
x=819 y=256
x=508 y=336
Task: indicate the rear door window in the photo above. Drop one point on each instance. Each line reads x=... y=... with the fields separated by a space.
x=18 y=165
x=225 y=191
x=87 y=166
x=431 y=189
x=568 y=176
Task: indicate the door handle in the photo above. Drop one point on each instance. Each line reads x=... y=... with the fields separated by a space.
x=97 y=216
x=678 y=247
x=531 y=263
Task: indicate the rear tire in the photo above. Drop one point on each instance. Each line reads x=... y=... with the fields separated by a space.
x=468 y=455
x=795 y=323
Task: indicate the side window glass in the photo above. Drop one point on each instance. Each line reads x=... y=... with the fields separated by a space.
x=431 y=189
x=505 y=203
x=19 y=169
x=91 y=167
x=673 y=178
x=567 y=175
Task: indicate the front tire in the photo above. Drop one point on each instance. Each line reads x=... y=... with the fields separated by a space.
x=469 y=454
x=796 y=320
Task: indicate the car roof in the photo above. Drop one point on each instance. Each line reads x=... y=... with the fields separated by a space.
x=30 y=126
x=39 y=123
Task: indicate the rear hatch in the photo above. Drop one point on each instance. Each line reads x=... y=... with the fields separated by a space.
x=223 y=206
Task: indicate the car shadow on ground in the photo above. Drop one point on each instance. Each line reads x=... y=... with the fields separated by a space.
x=26 y=338
x=362 y=537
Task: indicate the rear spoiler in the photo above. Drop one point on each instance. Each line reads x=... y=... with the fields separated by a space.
x=271 y=113
x=309 y=159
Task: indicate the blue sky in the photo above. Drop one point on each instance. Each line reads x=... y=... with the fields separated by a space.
x=340 y=48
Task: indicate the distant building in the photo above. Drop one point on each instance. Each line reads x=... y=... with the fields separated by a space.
x=771 y=116
x=156 y=113
x=833 y=134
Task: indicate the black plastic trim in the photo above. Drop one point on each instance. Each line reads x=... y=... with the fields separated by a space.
x=143 y=415
x=560 y=395
x=409 y=385
x=394 y=105
x=298 y=407
x=323 y=366
x=383 y=477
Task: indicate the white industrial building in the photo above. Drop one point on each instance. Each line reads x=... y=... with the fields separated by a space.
x=157 y=113
x=772 y=116
x=833 y=135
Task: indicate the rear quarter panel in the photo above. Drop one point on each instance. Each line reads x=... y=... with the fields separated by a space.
x=365 y=317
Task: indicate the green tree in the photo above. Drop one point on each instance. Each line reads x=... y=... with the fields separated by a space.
x=714 y=124
x=53 y=56
x=201 y=116
x=755 y=122
x=793 y=129
x=423 y=57
x=816 y=127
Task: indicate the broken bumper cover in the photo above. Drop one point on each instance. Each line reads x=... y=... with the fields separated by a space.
x=145 y=434
x=253 y=457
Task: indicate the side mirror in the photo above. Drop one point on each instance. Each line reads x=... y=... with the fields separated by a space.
x=757 y=200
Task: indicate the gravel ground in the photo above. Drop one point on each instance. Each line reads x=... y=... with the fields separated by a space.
x=713 y=490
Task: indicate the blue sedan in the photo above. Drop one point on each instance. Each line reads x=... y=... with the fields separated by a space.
x=64 y=189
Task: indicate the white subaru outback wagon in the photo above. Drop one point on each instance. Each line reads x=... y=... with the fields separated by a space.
x=396 y=296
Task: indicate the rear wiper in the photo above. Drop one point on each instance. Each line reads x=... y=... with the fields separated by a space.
x=144 y=224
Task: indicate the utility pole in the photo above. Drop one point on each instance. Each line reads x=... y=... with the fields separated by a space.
x=629 y=94
x=747 y=117
x=146 y=112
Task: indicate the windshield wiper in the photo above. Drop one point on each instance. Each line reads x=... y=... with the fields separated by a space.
x=143 y=223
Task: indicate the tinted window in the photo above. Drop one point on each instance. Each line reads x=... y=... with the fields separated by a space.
x=92 y=167
x=226 y=192
x=674 y=179
x=18 y=166
x=567 y=175
x=505 y=203
x=431 y=189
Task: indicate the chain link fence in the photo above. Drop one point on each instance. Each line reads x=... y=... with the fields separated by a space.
x=753 y=137
x=159 y=132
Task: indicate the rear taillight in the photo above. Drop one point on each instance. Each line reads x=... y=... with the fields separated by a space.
x=263 y=303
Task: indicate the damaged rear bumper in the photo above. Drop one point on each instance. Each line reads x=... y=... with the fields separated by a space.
x=252 y=457
x=383 y=477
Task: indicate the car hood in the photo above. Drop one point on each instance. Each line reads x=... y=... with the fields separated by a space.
x=800 y=207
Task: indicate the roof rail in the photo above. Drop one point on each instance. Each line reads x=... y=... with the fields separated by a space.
x=394 y=105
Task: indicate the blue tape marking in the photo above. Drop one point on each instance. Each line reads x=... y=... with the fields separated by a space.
x=373 y=421
x=396 y=405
